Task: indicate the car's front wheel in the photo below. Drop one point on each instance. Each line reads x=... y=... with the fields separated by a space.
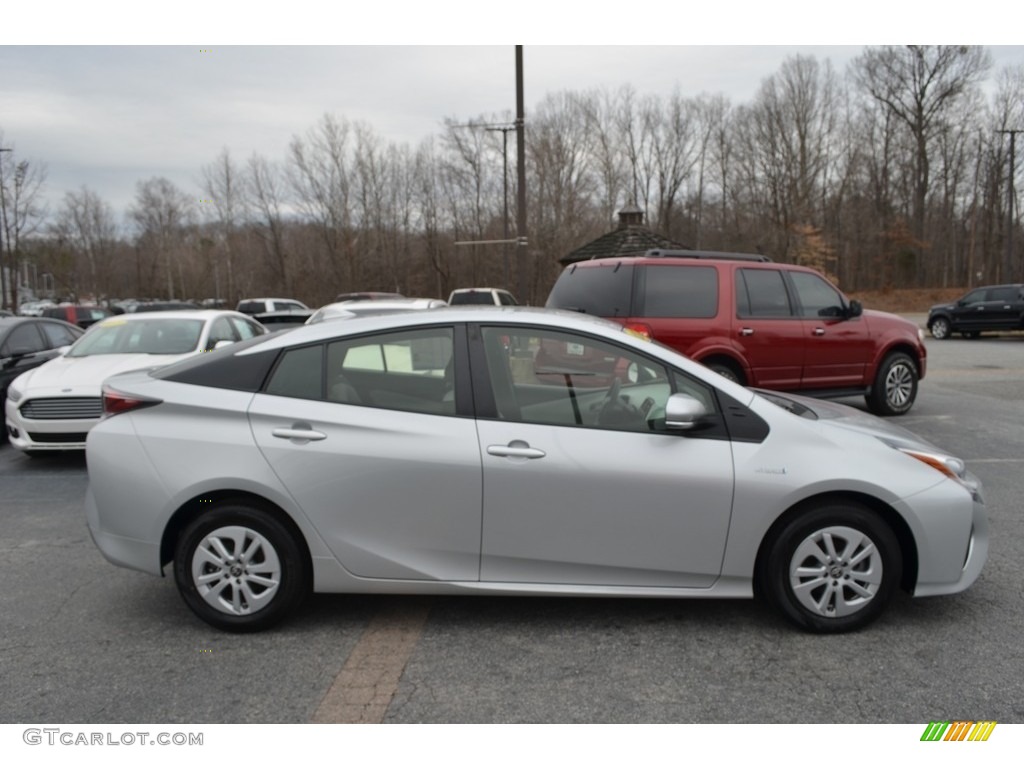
x=940 y=328
x=895 y=386
x=239 y=568
x=832 y=568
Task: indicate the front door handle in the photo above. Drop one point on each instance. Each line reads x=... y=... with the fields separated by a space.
x=746 y=331
x=517 y=449
x=819 y=331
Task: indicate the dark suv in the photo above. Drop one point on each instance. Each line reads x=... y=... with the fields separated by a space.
x=992 y=308
x=763 y=324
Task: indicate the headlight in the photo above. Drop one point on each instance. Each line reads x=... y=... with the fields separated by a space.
x=950 y=466
x=13 y=393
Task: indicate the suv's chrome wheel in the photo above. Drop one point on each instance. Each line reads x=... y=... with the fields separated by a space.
x=895 y=386
x=939 y=328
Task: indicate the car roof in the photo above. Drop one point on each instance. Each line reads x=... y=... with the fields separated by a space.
x=179 y=314
x=8 y=322
x=369 y=323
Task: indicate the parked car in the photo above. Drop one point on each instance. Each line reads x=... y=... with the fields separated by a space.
x=991 y=308
x=282 y=319
x=418 y=452
x=346 y=310
x=82 y=315
x=163 y=306
x=367 y=296
x=28 y=342
x=34 y=308
x=52 y=407
x=258 y=306
x=497 y=296
x=777 y=326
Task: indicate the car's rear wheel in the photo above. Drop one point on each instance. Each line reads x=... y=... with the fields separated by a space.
x=240 y=569
x=726 y=368
x=895 y=386
x=940 y=328
x=832 y=568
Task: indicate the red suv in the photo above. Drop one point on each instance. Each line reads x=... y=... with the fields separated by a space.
x=763 y=324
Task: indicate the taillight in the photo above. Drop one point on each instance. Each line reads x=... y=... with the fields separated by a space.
x=643 y=330
x=115 y=402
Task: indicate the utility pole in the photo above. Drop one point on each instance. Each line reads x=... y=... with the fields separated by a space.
x=1011 y=199
x=3 y=228
x=521 y=191
x=504 y=153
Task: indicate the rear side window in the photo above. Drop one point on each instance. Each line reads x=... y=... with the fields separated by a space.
x=678 y=291
x=604 y=291
x=299 y=374
x=1006 y=293
x=761 y=293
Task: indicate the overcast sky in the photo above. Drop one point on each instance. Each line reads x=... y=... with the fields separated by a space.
x=162 y=102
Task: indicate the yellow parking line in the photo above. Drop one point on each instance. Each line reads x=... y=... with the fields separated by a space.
x=363 y=689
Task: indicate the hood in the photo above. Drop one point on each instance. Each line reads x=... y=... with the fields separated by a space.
x=845 y=417
x=946 y=305
x=876 y=317
x=82 y=376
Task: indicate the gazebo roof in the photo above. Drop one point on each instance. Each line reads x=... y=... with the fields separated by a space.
x=631 y=238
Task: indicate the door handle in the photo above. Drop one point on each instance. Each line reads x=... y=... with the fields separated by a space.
x=819 y=331
x=746 y=331
x=297 y=432
x=523 y=451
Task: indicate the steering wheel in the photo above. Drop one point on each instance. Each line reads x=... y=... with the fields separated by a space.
x=617 y=411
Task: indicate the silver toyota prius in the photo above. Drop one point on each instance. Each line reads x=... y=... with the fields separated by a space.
x=508 y=450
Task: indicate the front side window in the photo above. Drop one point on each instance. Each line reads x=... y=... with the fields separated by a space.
x=24 y=338
x=58 y=335
x=817 y=297
x=545 y=376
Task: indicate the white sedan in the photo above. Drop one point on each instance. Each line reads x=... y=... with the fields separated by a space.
x=53 y=407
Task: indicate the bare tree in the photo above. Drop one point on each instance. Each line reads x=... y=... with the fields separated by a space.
x=919 y=85
x=162 y=213
x=265 y=205
x=222 y=184
x=319 y=173
x=87 y=223
x=21 y=214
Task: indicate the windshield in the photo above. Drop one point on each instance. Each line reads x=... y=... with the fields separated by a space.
x=156 y=336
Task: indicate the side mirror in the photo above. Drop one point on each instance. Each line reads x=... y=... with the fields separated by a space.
x=223 y=343
x=856 y=309
x=682 y=411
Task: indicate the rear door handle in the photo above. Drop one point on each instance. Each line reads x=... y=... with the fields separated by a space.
x=819 y=331
x=516 y=449
x=296 y=432
x=746 y=331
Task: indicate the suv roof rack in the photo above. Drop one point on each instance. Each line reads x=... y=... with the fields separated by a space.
x=681 y=254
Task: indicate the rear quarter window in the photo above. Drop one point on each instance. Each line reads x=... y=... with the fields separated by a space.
x=604 y=291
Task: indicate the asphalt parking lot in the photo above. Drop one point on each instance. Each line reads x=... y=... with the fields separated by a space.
x=82 y=641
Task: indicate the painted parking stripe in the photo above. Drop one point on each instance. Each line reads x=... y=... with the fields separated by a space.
x=363 y=689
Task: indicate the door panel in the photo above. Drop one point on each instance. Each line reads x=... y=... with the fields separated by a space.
x=395 y=495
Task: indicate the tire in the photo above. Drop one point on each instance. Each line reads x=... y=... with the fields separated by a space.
x=940 y=328
x=895 y=386
x=832 y=569
x=727 y=370
x=244 y=544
